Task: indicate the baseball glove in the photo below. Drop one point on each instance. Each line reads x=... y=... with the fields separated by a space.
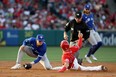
x=27 y=66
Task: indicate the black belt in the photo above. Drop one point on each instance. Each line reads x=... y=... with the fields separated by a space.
x=35 y=53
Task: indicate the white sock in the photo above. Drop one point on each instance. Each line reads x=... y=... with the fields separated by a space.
x=90 y=68
x=57 y=68
x=19 y=56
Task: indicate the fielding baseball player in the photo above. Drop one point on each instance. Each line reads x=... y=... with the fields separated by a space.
x=70 y=62
x=94 y=38
x=33 y=47
x=74 y=26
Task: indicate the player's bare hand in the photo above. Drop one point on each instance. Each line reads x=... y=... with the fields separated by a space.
x=65 y=36
x=80 y=35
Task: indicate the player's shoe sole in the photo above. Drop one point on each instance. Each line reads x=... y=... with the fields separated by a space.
x=17 y=66
x=103 y=68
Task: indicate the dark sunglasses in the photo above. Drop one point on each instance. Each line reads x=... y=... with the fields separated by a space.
x=87 y=9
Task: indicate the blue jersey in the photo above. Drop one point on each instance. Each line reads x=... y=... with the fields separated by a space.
x=89 y=20
x=37 y=50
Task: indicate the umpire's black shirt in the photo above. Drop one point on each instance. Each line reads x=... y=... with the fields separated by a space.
x=75 y=27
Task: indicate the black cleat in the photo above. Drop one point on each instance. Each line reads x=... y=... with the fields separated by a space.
x=80 y=61
x=103 y=68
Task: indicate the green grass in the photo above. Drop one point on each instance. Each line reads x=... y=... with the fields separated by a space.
x=104 y=54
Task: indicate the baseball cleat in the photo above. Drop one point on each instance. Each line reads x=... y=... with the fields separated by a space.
x=103 y=68
x=88 y=59
x=80 y=61
x=93 y=57
x=17 y=66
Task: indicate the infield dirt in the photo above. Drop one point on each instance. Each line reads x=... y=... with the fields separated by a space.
x=38 y=71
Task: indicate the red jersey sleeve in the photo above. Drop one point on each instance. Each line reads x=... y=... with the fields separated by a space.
x=68 y=56
x=76 y=48
x=80 y=42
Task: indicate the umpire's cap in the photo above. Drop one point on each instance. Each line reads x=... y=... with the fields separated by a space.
x=87 y=6
x=40 y=37
x=78 y=14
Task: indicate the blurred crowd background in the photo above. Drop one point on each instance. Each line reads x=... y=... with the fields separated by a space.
x=52 y=14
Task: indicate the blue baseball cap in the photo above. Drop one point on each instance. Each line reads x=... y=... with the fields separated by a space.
x=40 y=37
x=87 y=6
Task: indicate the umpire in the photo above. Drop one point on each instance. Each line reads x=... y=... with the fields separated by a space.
x=74 y=26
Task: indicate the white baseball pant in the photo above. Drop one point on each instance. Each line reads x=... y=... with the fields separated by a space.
x=94 y=37
x=82 y=68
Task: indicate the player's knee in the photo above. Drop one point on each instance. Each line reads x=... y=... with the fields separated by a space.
x=99 y=44
x=48 y=68
x=21 y=48
x=93 y=46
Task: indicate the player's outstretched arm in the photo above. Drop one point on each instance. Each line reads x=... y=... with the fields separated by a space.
x=80 y=35
x=65 y=36
x=65 y=66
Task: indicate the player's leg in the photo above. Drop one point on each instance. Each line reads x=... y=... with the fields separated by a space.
x=19 y=58
x=93 y=68
x=45 y=62
x=99 y=42
x=77 y=53
x=21 y=51
x=87 y=68
x=29 y=52
x=57 y=68
x=93 y=42
x=76 y=65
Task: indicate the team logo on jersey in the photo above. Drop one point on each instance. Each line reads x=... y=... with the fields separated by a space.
x=41 y=37
x=87 y=20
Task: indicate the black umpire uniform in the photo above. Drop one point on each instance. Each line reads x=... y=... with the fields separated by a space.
x=73 y=26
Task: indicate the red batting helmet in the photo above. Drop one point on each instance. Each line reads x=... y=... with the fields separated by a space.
x=64 y=45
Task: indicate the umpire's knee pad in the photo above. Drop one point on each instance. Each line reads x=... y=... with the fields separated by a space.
x=99 y=44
